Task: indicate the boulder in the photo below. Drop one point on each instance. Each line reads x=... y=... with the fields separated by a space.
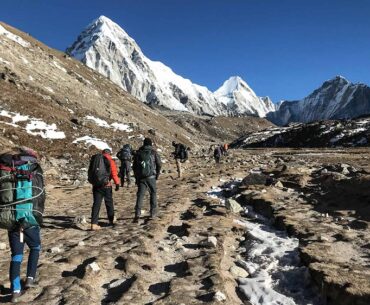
x=254 y=179
x=2 y=246
x=219 y=297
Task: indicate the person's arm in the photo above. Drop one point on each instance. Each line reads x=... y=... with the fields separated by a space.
x=158 y=164
x=114 y=172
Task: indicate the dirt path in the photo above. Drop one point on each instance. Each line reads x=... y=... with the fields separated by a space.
x=162 y=261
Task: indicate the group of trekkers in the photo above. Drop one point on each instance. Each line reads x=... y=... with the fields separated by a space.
x=219 y=151
x=22 y=196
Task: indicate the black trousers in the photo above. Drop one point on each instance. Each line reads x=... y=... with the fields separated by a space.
x=125 y=170
x=99 y=194
x=145 y=184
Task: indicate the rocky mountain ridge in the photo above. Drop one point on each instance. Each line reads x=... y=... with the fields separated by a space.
x=335 y=99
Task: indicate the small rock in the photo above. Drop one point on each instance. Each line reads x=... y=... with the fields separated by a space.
x=2 y=246
x=80 y=219
x=94 y=267
x=233 y=206
x=238 y=272
x=211 y=242
x=279 y=184
x=219 y=296
x=55 y=250
x=81 y=243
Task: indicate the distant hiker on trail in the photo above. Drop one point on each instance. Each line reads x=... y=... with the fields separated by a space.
x=147 y=167
x=181 y=155
x=225 y=149
x=125 y=155
x=101 y=170
x=217 y=153
x=22 y=199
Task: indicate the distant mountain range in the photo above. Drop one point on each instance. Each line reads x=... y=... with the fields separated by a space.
x=335 y=99
x=105 y=47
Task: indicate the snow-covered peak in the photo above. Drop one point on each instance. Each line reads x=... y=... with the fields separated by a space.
x=231 y=85
x=107 y=48
x=240 y=98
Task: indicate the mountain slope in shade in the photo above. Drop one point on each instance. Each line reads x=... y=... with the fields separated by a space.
x=335 y=99
x=105 y=47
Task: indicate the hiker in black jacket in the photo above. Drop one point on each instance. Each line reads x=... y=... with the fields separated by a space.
x=147 y=167
x=125 y=156
x=181 y=155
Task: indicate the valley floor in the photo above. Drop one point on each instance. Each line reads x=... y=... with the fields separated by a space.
x=193 y=251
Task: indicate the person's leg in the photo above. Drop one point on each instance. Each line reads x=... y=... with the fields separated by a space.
x=16 y=249
x=152 y=184
x=122 y=174
x=178 y=165
x=108 y=200
x=98 y=195
x=33 y=241
x=128 y=170
x=142 y=186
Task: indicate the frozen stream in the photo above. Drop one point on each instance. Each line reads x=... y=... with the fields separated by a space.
x=276 y=275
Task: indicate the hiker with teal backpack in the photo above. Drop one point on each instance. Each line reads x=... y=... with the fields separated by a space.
x=147 y=167
x=22 y=199
x=125 y=156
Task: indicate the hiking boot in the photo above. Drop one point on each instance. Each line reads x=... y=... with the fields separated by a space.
x=95 y=227
x=16 y=296
x=135 y=220
x=112 y=222
x=30 y=283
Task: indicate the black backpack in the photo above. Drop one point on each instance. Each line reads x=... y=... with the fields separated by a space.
x=125 y=153
x=99 y=170
x=183 y=153
x=145 y=163
x=217 y=152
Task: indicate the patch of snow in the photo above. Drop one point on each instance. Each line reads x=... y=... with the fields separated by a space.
x=99 y=144
x=121 y=127
x=46 y=131
x=14 y=37
x=98 y=121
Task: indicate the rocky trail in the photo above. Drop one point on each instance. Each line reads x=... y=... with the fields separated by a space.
x=196 y=251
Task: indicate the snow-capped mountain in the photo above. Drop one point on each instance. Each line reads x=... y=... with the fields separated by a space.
x=107 y=48
x=335 y=99
x=238 y=97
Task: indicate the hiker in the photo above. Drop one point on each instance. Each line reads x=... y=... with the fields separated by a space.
x=181 y=155
x=125 y=155
x=225 y=149
x=217 y=153
x=21 y=178
x=102 y=170
x=147 y=167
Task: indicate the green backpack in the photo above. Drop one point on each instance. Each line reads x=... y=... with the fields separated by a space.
x=145 y=162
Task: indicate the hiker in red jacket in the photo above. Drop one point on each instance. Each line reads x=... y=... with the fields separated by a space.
x=105 y=192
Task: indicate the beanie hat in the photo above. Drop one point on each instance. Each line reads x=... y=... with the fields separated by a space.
x=148 y=142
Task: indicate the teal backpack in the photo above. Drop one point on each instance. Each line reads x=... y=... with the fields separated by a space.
x=22 y=191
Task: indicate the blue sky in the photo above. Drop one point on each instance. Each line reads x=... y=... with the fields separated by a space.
x=282 y=48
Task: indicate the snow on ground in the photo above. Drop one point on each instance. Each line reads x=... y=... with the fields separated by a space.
x=276 y=275
x=105 y=124
x=99 y=144
x=34 y=126
x=13 y=37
